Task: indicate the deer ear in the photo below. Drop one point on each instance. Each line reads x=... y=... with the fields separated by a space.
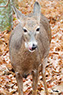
x=37 y=10
x=18 y=13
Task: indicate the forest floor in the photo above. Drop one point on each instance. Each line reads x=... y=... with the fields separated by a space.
x=53 y=10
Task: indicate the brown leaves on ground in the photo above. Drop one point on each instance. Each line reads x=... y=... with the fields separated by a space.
x=53 y=10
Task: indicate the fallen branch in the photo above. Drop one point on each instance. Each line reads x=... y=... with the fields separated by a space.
x=5 y=5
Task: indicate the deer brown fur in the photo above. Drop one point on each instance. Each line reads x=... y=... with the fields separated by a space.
x=28 y=45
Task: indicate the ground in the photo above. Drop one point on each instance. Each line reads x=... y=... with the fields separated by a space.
x=53 y=10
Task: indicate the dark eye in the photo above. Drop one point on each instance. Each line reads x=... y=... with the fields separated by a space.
x=37 y=29
x=25 y=30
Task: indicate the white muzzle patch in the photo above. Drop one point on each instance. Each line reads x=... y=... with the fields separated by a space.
x=29 y=45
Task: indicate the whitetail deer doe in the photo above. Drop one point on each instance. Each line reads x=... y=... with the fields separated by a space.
x=28 y=45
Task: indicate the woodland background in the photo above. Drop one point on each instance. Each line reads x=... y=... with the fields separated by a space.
x=53 y=10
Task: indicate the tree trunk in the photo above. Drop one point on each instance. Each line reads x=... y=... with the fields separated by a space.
x=10 y=13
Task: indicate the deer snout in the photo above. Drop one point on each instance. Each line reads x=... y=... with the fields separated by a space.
x=34 y=47
x=31 y=46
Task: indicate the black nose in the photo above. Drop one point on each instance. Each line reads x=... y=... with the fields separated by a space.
x=34 y=46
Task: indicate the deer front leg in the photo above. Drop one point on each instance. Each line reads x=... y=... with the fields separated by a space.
x=20 y=83
x=43 y=75
x=35 y=82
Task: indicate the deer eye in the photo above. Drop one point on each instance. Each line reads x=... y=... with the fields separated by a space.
x=24 y=30
x=37 y=29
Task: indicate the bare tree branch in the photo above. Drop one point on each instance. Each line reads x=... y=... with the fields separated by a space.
x=5 y=5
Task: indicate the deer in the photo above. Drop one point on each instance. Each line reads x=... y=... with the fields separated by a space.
x=29 y=46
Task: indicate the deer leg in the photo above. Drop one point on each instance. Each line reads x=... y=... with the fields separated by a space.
x=35 y=81
x=43 y=75
x=20 y=83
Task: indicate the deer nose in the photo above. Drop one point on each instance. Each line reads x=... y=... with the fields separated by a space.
x=34 y=47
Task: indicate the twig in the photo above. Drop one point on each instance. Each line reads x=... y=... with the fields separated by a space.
x=5 y=5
